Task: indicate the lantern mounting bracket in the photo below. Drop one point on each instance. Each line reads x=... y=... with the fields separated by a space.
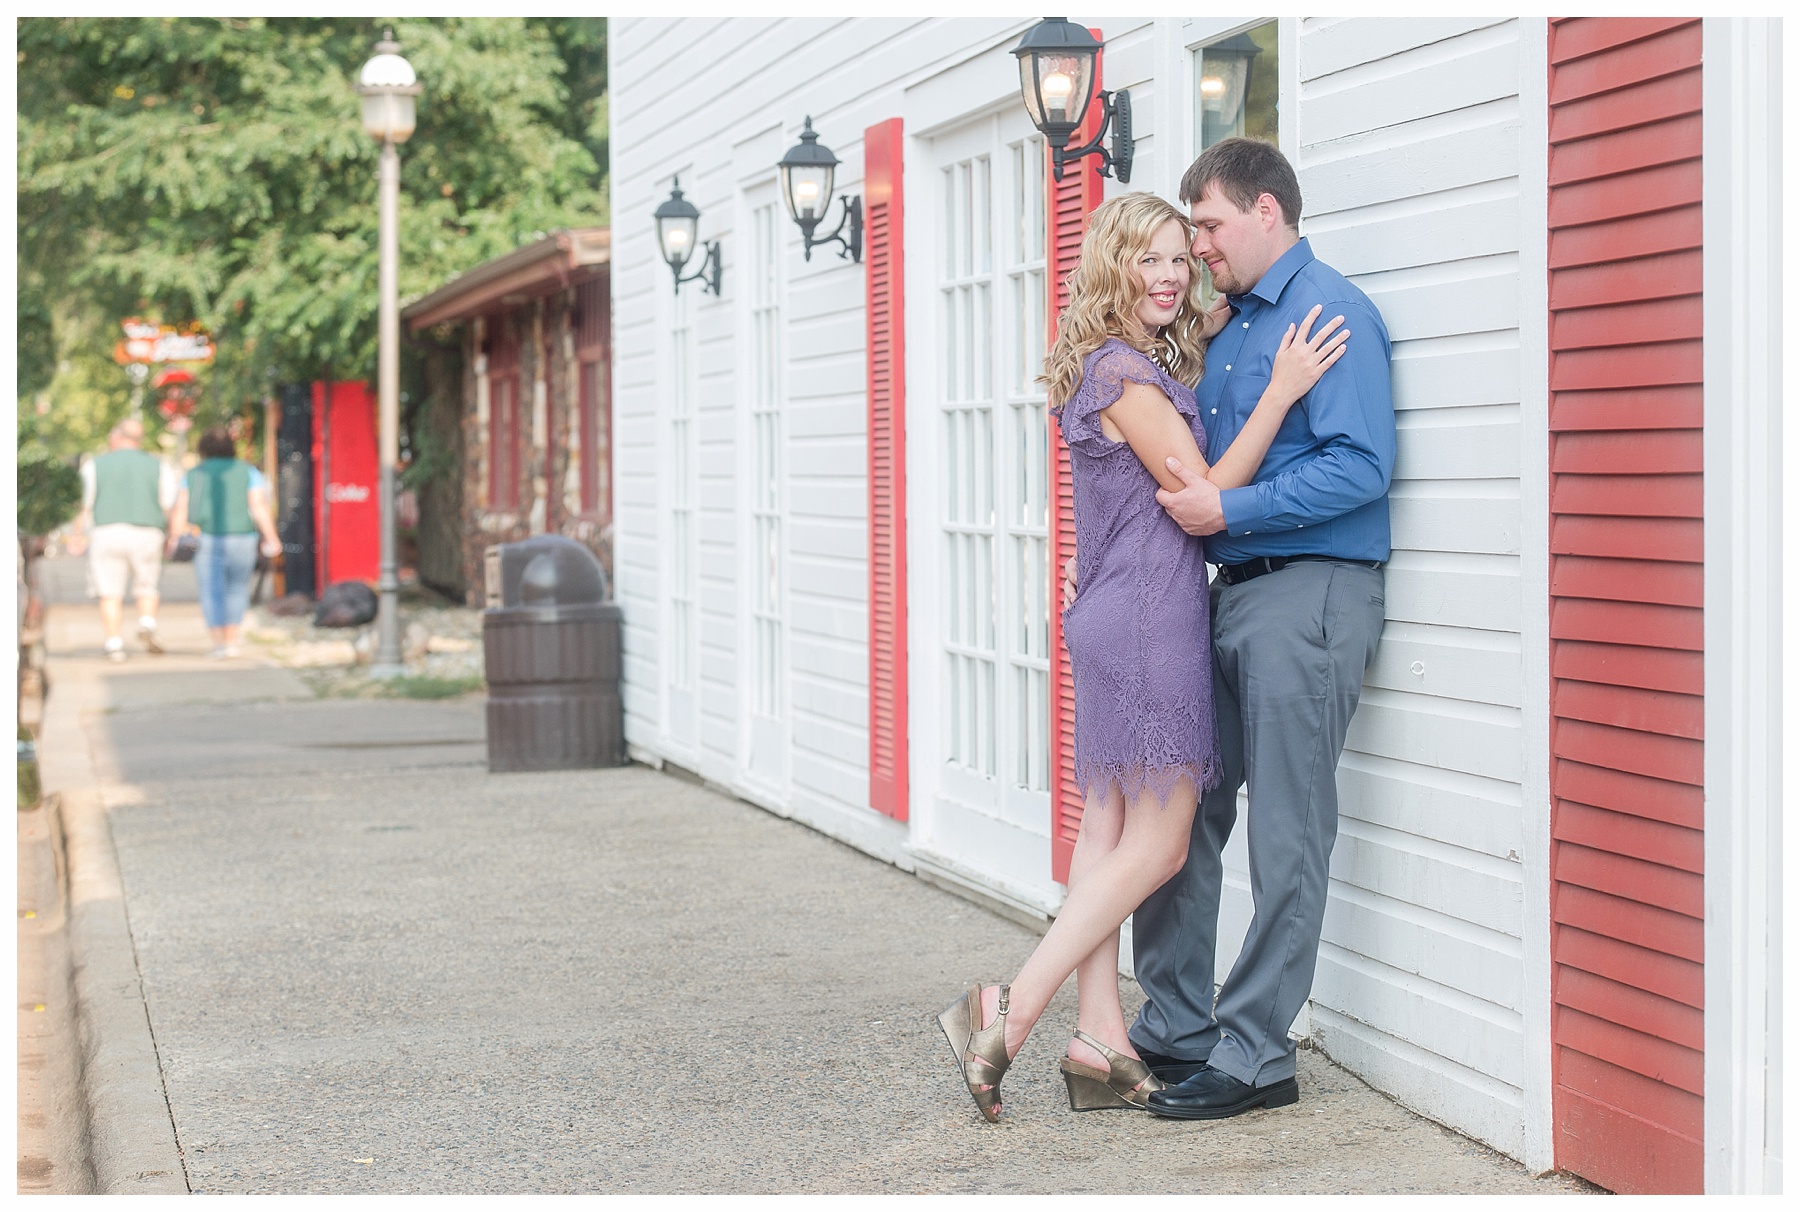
x=851 y=241
x=1115 y=117
x=709 y=272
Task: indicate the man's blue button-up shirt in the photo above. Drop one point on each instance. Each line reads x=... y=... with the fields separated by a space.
x=1322 y=489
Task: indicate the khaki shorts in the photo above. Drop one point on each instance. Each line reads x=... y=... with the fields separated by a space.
x=118 y=551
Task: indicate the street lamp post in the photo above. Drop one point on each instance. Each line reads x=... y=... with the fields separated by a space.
x=388 y=87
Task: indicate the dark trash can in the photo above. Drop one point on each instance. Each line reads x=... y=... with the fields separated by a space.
x=551 y=642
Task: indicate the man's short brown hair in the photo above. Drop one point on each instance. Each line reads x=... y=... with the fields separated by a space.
x=1244 y=170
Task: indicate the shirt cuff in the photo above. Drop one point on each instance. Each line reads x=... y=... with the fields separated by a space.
x=1243 y=512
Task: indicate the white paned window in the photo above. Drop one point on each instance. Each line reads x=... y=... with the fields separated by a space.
x=765 y=464
x=1237 y=87
x=994 y=524
x=1026 y=470
x=966 y=296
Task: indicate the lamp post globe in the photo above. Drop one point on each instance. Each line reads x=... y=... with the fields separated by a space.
x=388 y=86
x=1056 y=76
x=677 y=227
x=808 y=173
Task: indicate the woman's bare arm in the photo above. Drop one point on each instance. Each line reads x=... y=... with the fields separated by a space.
x=178 y=517
x=1145 y=419
x=262 y=517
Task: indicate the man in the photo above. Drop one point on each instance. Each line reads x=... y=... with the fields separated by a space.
x=1296 y=614
x=126 y=495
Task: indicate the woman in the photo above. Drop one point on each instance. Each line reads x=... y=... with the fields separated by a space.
x=1129 y=348
x=228 y=499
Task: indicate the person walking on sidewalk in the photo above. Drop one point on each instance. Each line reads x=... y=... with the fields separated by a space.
x=228 y=499
x=125 y=498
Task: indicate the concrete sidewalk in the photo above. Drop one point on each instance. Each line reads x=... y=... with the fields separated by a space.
x=369 y=966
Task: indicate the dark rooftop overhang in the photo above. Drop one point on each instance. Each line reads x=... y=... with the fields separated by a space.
x=559 y=260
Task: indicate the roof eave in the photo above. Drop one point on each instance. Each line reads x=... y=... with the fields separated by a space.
x=538 y=268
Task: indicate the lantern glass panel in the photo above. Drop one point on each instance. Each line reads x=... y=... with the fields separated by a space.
x=1057 y=89
x=807 y=189
x=675 y=236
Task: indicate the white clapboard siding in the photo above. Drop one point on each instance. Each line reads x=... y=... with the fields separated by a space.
x=1420 y=82
x=1409 y=160
x=1336 y=44
x=1428 y=944
x=1462 y=810
x=1438 y=154
x=1476 y=667
x=1459 y=370
x=762 y=77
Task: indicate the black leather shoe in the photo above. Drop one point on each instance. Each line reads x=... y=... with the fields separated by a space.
x=1171 y=1069
x=1210 y=1094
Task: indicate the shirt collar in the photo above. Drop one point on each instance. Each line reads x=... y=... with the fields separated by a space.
x=1289 y=263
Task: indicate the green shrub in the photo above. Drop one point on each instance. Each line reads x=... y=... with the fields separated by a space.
x=49 y=493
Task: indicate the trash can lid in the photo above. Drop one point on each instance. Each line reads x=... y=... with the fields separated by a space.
x=550 y=570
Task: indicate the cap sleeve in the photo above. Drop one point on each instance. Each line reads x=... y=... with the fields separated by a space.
x=1103 y=381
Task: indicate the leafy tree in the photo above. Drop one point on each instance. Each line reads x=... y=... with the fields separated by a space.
x=37 y=345
x=216 y=170
x=49 y=494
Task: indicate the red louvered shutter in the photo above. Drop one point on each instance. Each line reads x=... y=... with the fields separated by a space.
x=1627 y=666
x=885 y=275
x=1071 y=201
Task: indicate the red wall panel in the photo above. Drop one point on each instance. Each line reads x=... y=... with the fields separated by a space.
x=1626 y=543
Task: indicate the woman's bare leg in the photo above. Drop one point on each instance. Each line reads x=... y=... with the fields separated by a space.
x=1097 y=976
x=1152 y=846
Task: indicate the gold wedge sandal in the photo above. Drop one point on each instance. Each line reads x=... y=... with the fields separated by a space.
x=1127 y=1083
x=980 y=1052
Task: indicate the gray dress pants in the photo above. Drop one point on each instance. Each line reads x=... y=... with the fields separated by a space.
x=1289 y=652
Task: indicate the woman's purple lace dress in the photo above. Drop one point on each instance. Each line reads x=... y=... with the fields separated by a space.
x=1140 y=646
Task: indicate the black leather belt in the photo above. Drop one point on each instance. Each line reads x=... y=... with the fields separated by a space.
x=1249 y=570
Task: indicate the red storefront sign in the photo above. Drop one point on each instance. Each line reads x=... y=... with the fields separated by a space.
x=150 y=342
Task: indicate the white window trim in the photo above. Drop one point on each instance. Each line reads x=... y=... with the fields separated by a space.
x=1743 y=606
x=775 y=795
x=1535 y=1009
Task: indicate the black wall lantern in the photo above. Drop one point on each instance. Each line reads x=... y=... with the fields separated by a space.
x=1056 y=76
x=677 y=229
x=807 y=173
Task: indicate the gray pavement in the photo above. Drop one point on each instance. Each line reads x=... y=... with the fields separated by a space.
x=369 y=966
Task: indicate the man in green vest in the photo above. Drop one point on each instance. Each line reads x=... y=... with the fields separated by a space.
x=126 y=494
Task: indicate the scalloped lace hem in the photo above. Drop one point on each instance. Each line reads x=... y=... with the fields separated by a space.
x=1135 y=778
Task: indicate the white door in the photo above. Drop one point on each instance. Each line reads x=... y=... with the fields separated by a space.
x=985 y=675
x=764 y=690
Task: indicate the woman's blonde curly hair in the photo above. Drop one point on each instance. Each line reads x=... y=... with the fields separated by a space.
x=1105 y=289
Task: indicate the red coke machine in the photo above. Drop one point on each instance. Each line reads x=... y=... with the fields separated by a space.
x=347 y=505
x=330 y=504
